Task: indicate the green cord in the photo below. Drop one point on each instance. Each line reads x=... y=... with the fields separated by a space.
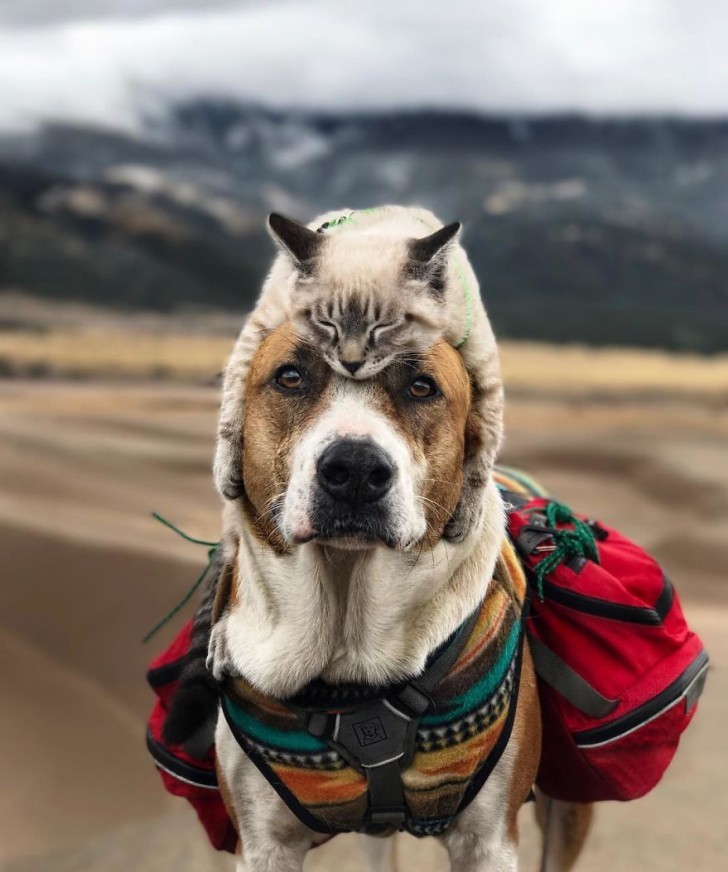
x=578 y=542
x=162 y=520
x=212 y=548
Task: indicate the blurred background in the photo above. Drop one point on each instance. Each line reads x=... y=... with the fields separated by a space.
x=142 y=144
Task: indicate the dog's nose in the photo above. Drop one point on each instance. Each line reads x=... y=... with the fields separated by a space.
x=352 y=365
x=355 y=471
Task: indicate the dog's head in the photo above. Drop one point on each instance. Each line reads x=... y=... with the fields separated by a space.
x=353 y=463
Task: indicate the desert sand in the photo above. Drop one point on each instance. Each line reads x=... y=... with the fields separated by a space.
x=86 y=572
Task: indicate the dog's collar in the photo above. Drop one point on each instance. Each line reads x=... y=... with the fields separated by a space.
x=375 y=759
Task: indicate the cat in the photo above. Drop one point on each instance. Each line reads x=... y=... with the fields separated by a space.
x=367 y=287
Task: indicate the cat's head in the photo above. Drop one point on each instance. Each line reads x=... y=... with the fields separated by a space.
x=364 y=299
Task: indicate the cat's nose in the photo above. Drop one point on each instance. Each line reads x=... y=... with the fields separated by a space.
x=352 y=365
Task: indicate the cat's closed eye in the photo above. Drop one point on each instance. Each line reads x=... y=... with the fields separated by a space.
x=378 y=331
x=330 y=328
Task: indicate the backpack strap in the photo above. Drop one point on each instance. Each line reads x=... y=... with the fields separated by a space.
x=566 y=681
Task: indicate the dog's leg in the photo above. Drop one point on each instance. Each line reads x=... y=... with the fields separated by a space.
x=273 y=839
x=379 y=853
x=565 y=826
x=484 y=836
x=473 y=852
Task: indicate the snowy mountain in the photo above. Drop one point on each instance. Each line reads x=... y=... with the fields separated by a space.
x=600 y=231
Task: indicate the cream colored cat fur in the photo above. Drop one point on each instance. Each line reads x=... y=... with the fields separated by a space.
x=366 y=271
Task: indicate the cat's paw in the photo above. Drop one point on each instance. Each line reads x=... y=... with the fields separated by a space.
x=467 y=515
x=227 y=471
x=218 y=661
x=231 y=488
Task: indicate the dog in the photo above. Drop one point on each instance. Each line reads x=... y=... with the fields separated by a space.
x=339 y=576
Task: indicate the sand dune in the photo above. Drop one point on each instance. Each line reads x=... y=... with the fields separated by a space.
x=87 y=572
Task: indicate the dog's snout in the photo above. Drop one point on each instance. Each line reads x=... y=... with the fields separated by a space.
x=355 y=471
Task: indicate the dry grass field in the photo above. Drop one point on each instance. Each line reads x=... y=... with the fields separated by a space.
x=638 y=439
x=126 y=352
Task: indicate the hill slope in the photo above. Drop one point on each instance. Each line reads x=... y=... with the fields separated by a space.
x=610 y=232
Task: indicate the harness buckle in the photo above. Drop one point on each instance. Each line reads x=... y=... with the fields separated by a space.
x=392 y=817
x=378 y=740
x=319 y=725
x=414 y=699
x=375 y=735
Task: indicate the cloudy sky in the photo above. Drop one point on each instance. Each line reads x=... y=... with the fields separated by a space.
x=101 y=60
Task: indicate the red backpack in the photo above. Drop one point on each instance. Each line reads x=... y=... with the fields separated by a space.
x=620 y=671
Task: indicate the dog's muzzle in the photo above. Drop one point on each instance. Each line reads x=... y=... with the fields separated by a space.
x=353 y=478
x=354 y=472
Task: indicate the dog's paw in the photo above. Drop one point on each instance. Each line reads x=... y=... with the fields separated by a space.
x=467 y=515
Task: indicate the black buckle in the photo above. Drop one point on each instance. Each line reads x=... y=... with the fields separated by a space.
x=376 y=734
x=414 y=699
x=531 y=537
x=379 y=740
x=319 y=725
x=393 y=817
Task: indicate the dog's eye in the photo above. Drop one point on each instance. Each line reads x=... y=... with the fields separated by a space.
x=289 y=378
x=422 y=388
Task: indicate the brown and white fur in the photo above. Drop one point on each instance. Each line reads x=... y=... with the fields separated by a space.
x=385 y=283
x=360 y=588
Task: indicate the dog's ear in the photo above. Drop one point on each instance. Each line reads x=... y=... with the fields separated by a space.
x=300 y=242
x=425 y=250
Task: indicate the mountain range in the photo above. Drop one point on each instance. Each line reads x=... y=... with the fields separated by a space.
x=598 y=231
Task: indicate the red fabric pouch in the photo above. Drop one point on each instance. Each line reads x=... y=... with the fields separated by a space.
x=620 y=671
x=193 y=778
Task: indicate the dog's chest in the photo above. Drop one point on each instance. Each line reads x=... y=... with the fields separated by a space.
x=301 y=747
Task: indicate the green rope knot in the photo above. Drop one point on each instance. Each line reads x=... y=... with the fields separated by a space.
x=567 y=543
x=211 y=549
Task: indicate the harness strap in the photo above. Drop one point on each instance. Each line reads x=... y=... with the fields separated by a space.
x=432 y=676
x=379 y=739
x=386 y=796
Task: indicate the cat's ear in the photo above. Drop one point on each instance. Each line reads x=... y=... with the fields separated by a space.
x=424 y=251
x=298 y=240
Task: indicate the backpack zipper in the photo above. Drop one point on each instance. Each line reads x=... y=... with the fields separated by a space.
x=613 y=611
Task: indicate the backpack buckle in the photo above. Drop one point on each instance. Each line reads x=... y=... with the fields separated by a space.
x=533 y=537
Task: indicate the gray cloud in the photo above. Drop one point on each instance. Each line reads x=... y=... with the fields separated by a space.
x=43 y=13
x=599 y=56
